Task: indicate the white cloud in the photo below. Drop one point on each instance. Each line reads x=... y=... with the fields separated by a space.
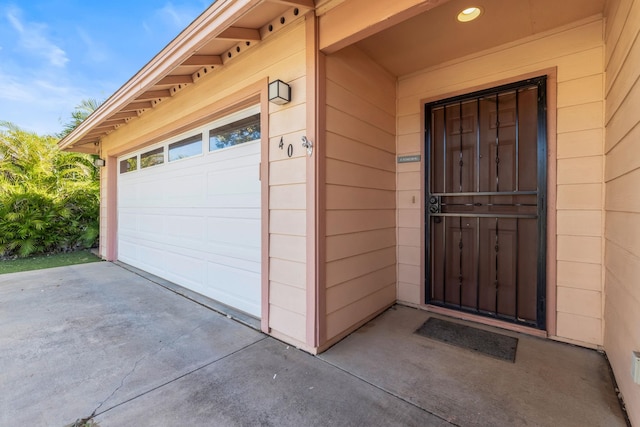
x=95 y=51
x=172 y=17
x=180 y=18
x=32 y=36
x=37 y=90
x=36 y=104
x=39 y=87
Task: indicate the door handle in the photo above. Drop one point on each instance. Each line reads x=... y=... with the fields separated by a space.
x=434 y=205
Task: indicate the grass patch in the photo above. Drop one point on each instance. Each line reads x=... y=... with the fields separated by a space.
x=46 y=261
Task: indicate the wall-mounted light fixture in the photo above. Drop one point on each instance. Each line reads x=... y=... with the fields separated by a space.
x=279 y=92
x=98 y=162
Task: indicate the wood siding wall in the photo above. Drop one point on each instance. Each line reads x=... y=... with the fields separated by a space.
x=576 y=53
x=360 y=191
x=287 y=176
x=622 y=203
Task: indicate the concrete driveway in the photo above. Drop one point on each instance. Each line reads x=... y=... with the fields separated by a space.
x=97 y=340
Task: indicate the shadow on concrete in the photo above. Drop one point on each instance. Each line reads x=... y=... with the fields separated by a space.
x=98 y=340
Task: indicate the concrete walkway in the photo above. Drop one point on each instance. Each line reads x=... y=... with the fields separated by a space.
x=98 y=340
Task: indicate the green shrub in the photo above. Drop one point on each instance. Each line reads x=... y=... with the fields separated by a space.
x=82 y=228
x=28 y=222
x=49 y=200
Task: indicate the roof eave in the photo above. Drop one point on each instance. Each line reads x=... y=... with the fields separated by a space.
x=213 y=21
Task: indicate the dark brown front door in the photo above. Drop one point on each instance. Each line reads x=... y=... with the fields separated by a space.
x=485 y=211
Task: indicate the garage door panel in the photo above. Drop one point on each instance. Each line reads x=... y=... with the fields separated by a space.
x=244 y=283
x=236 y=257
x=127 y=251
x=238 y=249
x=247 y=163
x=238 y=181
x=242 y=233
x=185 y=269
x=149 y=193
x=241 y=162
x=127 y=221
x=197 y=222
x=151 y=259
x=239 y=213
x=192 y=212
x=153 y=224
x=170 y=262
x=243 y=204
x=191 y=247
x=126 y=195
x=236 y=153
x=173 y=275
x=189 y=232
x=183 y=190
x=185 y=227
x=244 y=201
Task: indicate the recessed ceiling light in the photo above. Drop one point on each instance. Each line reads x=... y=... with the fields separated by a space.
x=469 y=14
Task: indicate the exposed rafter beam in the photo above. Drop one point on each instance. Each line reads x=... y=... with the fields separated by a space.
x=135 y=106
x=92 y=137
x=87 y=149
x=104 y=128
x=113 y=122
x=176 y=80
x=154 y=94
x=203 y=60
x=240 y=34
x=310 y=4
x=221 y=15
x=123 y=115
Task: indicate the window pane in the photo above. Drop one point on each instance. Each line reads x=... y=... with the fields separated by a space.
x=152 y=158
x=129 y=164
x=244 y=130
x=188 y=147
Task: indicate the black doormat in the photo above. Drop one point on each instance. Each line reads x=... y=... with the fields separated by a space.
x=489 y=343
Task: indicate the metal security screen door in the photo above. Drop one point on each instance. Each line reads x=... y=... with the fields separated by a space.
x=485 y=212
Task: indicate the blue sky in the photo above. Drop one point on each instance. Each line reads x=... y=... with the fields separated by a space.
x=55 y=53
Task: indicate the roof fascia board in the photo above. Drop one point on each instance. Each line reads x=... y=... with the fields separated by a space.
x=213 y=21
x=310 y=4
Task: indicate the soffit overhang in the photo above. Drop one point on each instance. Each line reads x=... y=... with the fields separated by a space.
x=434 y=37
x=222 y=32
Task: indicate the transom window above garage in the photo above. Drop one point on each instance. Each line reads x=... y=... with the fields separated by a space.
x=129 y=165
x=222 y=134
x=188 y=147
x=237 y=132
x=152 y=158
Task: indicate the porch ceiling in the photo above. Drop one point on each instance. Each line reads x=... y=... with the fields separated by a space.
x=436 y=36
x=224 y=31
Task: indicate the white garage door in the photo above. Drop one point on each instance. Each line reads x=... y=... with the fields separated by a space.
x=189 y=211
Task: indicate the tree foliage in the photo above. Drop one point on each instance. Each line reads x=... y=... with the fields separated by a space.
x=79 y=114
x=49 y=199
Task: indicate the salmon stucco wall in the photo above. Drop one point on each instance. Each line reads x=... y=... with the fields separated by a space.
x=287 y=175
x=576 y=53
x=622 y=202
x=360 y=190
